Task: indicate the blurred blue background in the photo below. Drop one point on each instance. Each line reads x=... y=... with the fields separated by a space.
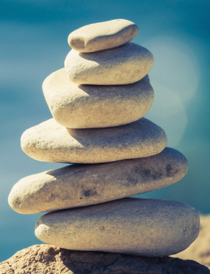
x=33 y=44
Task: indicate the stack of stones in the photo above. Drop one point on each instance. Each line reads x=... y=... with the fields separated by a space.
x=98 y=101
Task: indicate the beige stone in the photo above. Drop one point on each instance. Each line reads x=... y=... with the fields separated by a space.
x=88 y=106
x=104 y=35
x=51 y=142
x=123 y=65
x=146 y=227
x=81 y=185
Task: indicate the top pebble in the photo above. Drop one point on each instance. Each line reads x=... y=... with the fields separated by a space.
x=101 y=36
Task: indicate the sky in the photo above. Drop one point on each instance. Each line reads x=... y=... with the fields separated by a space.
x=34 y=44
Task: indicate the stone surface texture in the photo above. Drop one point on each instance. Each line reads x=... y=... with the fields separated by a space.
x=146 y=227
x=123 y=65
x=200 y=248
x=90 y=106
x=81 y=185
x=48 y=259
x=104 y=35
x=51 y=142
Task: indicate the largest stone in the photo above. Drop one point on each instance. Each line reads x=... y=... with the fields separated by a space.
x=81 y=185
x=51 y=142
x=146 y=227
x=118 y=66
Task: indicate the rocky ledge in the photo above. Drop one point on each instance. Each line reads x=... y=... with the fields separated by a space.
x=52 y=260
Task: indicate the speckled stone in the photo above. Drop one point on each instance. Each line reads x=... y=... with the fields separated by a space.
x=82 y=185
x=51 y=142
x=103 y=35
x=88 y=106
x=146 y=227
x=123 y=65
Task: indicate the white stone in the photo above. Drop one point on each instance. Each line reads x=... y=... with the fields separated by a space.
x=88 y=106
x=82 y=185
x=146 y=227
x=51 y=142
x=103 y=35
x=123 y=65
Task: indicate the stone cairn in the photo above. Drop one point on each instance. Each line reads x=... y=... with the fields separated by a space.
x=98 y=101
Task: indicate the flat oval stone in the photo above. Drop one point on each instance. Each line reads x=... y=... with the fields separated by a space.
x=51 y=142
x=123 y=65
x=88 y=106
x=104 y=35
x=82 y=185
x=146 y=227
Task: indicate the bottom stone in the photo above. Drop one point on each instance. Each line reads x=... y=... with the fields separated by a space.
x=146 y=227
x=46 y=259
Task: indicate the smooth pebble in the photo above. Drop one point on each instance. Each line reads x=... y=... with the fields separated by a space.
x=88 y=106
x=145 y=227
x=103 y=35
x=123 y=65
x=82 y=185
x=51 y=142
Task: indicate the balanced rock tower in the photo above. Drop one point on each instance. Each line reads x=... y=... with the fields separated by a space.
x=98 y=102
